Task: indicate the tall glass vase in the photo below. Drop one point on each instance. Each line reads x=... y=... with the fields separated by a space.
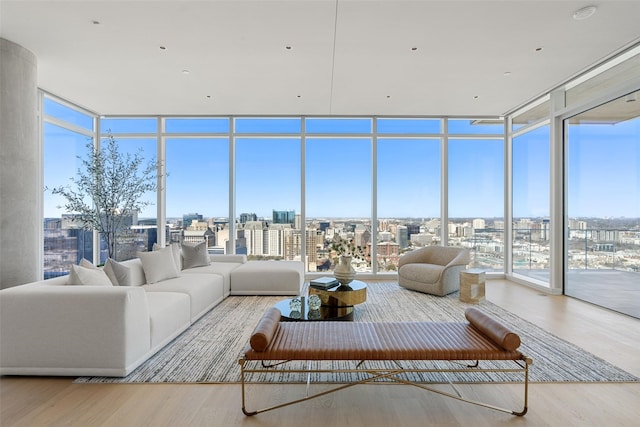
x=344 y=272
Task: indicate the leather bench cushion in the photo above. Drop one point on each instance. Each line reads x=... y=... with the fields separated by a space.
x=380 y=341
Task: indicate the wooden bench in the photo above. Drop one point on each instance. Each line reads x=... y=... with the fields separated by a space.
x=273 y=344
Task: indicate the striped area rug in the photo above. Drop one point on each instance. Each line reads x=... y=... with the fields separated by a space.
x=208 y=351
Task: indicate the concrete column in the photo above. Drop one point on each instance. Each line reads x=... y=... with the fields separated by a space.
x=20 y=164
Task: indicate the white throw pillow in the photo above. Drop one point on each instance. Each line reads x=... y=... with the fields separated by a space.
x=158 y=265
x=194 y=255
x=88 y=276
x=118 y=273
x=87 y=264
x=137 y=272
x=177 y=258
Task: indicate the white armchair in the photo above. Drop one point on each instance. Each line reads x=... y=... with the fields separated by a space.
x=433 y=269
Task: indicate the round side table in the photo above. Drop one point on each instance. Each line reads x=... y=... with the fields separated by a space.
x=342 y=296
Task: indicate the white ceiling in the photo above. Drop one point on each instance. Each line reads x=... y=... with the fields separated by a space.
x=347 y=57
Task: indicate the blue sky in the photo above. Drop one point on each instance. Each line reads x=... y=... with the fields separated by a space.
x=604 y=178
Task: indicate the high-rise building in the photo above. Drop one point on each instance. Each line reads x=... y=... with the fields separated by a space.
x=246 y=217
x=479 y=224
x=197 y=225
x=402 y=236
x=384 y=236
x=187 y=219
x=284 y=217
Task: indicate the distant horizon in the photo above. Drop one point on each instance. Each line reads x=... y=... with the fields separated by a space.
x=369 y=219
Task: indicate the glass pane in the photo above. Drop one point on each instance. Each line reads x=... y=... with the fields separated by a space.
x=197 y=125
x=603 y=208
x=70 y=115
x=267 y=125
x=408 y=126
x=531 y=211
x=476 y=200
x=198 y=190
x=338 y=125
x=408 y=197
x=141 y=225
x=338 y=196
x=268 y=187
x=476 y=127
x=65 y=243
x=128 y=125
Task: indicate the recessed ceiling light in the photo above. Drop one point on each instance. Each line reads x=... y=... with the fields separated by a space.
x=288 y=47
x=584 y=13
x=388 y=96
x=163 y=48
x=208 y=96
x=95 y=22
x=298 y=96
x=413 y=49
x=475 y=97
x=539 y=49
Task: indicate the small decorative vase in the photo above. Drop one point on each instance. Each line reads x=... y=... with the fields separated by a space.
x=344 y=272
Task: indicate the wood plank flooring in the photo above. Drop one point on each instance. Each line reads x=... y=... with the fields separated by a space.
x=33 y=401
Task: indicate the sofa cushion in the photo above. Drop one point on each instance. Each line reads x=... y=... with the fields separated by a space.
x=118 y=273
x=194 y=255
x=158 y=265
x=79 y=275
x=268 y=278
x=170 y=314
x=425 y=273
x=205 y=290
x=223 y=269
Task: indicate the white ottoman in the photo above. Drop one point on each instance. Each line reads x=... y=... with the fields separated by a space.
x=268 y=278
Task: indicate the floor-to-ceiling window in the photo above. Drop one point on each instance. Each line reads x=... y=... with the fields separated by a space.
x=603 y=204
x=197 y=181
x=67 y=139
x=408 y=187
x=338 y=188
x=475 y=176
x=134 y=136
x=267 y=188
x=530 y=200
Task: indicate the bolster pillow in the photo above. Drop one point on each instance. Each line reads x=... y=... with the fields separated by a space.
x=262 y=334
x=498 y=333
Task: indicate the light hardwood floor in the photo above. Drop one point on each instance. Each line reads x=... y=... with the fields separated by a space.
x=614 y=337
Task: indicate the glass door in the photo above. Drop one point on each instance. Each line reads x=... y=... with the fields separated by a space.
x=603 y=205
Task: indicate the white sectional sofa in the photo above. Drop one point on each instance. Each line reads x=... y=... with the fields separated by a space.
x=50 y=327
